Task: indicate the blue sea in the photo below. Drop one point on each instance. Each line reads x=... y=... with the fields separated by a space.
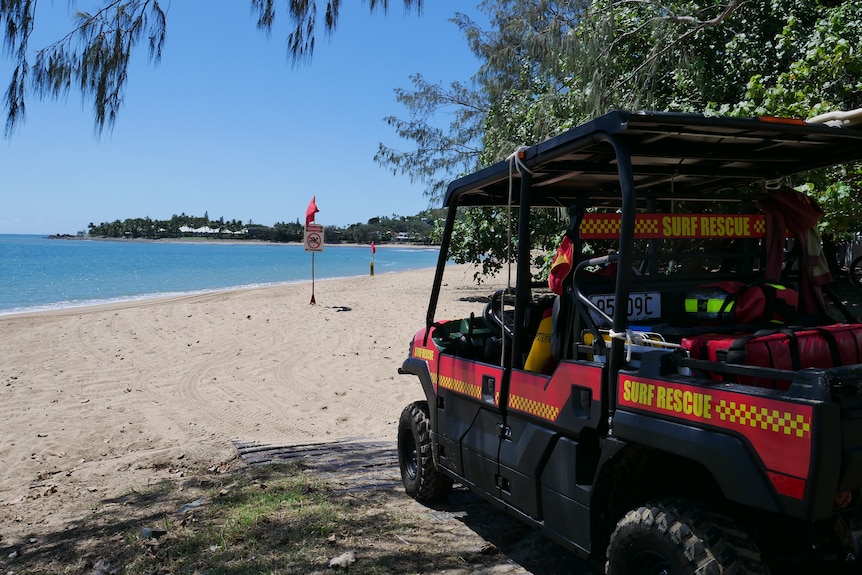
x=38 y=273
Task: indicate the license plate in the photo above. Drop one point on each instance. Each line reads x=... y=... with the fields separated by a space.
x=642 y=305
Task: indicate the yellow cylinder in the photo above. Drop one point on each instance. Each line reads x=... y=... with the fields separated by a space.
x=540 y=352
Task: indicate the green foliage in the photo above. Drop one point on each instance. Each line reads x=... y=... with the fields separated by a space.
x=488 y=238
x=810 y=65
x=303 y=16
x=287 y=232
x=549 y=65
x=819 y=48
x=523 y=116
x=154 y=229
x=407 y=229
x=786 y=58
x=93 y=57
x=437 y=154
x=574 y=60
x=525 y=71
x=411 y=229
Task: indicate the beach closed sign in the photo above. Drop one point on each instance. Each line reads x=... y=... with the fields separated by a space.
x=313 y=238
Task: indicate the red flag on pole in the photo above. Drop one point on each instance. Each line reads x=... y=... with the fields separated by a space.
x=311 y=210
x=373 y=249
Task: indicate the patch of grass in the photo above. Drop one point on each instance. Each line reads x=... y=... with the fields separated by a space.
x=259 y=520
x=275 y=520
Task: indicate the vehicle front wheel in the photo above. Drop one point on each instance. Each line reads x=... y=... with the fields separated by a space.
x=422 y=480
x=675 y=538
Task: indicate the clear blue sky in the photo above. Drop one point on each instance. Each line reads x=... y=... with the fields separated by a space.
x=226 y=125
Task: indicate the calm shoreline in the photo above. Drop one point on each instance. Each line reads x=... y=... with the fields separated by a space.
x=148 y=299
x=194 y=240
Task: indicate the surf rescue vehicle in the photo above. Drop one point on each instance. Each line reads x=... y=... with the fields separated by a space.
x=685 y=394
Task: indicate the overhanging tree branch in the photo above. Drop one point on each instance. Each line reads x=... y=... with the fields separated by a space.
x=94 y=56
x=668 y=17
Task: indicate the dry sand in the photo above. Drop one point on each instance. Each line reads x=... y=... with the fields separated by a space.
x=96 y=402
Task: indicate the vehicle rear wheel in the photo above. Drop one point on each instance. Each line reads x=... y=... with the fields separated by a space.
x=855 y=272
x=675 y=538
x=422 y=480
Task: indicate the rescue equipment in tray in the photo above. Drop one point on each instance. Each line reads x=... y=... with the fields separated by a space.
x=737 y=302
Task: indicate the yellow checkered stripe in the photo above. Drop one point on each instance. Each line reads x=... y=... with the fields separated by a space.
x=423 y=353
x=763 y=418
x=600 y=226
x=608 y=225
x=759 y=227
x=457 y=385
x=646 y=226
x=534 y=407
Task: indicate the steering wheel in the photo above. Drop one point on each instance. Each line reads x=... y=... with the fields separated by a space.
x=494 y=315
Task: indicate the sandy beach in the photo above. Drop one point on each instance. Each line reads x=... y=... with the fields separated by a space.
x=103 y=407
x=96 y=402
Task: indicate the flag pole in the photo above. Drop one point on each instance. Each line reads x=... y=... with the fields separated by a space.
x=312 y=280
x=317 y=243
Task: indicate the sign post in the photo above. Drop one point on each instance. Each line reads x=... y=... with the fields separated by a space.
x=313 y=242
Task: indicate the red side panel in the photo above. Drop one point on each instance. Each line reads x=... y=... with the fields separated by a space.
x=456 y=374
x=779 y=431
x=421 y=351
x=465 y=376
x=544 y=397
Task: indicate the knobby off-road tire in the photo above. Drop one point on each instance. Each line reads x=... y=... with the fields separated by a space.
x=421 y=478
x=675 y=538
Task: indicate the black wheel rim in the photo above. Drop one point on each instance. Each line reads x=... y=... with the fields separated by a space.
x=648 y=562
x=410 y=456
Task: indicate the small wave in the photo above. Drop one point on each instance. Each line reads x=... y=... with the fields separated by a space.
x=81 y=303
x=84 y=303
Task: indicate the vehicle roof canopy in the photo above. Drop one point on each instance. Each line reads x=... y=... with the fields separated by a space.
x=686 y=153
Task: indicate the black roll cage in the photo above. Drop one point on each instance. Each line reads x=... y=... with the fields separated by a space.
x=623 y=156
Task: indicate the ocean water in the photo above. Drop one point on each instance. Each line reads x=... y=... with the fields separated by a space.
x=38 y=273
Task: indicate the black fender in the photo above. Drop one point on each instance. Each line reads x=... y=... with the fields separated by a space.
x=727 y=458
x=419 y=368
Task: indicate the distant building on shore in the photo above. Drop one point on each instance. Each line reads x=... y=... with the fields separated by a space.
x=208 y=232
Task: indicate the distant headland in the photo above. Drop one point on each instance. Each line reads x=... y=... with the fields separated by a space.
x=416 y=229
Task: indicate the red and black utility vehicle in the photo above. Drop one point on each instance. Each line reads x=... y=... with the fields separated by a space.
x=688 y=396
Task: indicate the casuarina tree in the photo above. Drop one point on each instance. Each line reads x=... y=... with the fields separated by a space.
x=93 y=57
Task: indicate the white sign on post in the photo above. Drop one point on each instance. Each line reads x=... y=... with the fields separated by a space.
x=313 y=238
